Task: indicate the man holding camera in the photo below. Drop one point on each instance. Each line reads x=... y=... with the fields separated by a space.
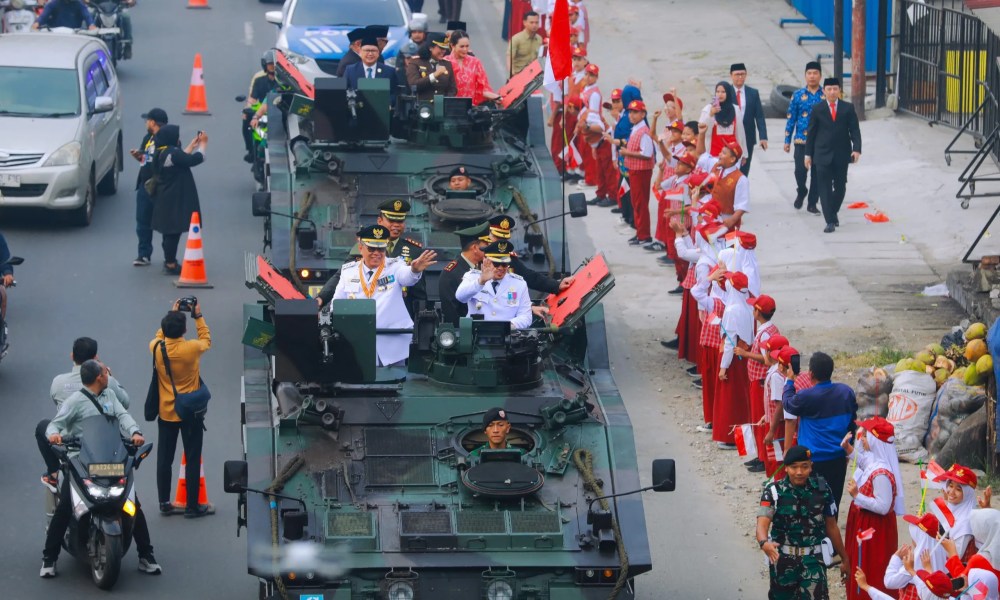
x=184 y=357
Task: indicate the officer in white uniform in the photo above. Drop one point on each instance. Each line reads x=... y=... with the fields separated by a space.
x=383 y=279
x=494 y=291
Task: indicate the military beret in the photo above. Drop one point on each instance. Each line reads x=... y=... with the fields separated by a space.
x=458 y=172
x=494 y=414
x=395 y=209
x=797 y=454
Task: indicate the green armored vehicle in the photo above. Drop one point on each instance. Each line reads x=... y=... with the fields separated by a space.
x=373 y=483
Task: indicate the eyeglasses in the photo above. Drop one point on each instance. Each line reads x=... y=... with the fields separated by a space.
x=370 y=249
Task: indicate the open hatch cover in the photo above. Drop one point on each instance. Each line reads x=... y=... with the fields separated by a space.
x=591 y=283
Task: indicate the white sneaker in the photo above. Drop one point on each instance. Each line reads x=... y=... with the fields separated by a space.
x=706 y=428
x=148 y=565
x=48 y=569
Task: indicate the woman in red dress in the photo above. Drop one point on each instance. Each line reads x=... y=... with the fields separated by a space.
x=470 y=75
x=722 y=121
x=877 y=493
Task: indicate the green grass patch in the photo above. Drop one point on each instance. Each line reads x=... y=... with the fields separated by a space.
x=876 y=356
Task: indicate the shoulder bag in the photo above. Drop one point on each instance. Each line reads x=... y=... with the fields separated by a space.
x=152 y=407
x=190 y=406
x=152 y=184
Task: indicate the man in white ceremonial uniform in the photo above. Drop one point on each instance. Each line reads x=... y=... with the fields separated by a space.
x=494 y=291
x=383 y=279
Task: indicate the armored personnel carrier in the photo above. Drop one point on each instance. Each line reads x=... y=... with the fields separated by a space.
x=364 y=482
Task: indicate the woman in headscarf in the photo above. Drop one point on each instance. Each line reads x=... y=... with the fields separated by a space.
x=985 y=527
x=959 y=499
x=732 y=401
x=722 y=121
x=899 y=574
x=982 y=581
x=877 y=497
x=176 y=195
x=710 y=307
x=745 y=244
x=470 y=75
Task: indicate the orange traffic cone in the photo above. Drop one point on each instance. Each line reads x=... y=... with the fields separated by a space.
x=198 y=4
x=193 y=269
x=197 y=104
x=180 y=499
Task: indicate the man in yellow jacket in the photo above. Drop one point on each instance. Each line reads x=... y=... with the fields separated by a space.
x=184 y=357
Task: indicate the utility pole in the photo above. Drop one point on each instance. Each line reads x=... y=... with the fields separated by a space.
x=858 y=85
x=880 y=66
x=838 y=39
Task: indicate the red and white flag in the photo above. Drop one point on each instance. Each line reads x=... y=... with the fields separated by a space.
x=746 y=445
x=571 y=155
x=559 y=65
x=980 y=591
x=928 y=475
x=867 y=534
x=943 y=513
x=623 y=188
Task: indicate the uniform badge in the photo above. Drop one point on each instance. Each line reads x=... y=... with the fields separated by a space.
x=451 y=266
x=511 y=298
x=804 y=114
x=805 y=97
x=479 y=306
x=350 y=296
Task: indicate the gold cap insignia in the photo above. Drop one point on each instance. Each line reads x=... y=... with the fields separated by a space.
x=397 y=205
x=503 y=247
x=505 y=224
x=378 y=232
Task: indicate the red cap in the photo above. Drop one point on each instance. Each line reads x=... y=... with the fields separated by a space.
x=593 y=69
x=928 y=523
x=939 y=584
x=616 y=94
x=711 y=231
x=784 y=355
x=880 y=428
x=579 y=52
x=576 y=101
x=739 y=280
x=775 y=342
x=678 y=125
x=574 y=31
x=668 y=97
x=688 y=159
x=735 y=148
x=711 y=208
x=747 y=240
x=574 y=8
x=764 y=304
x=959 y=474
x=636 y=105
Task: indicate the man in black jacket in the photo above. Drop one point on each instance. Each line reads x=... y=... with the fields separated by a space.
x=155 y=118
x=748 y=99
x=473 y=240
x=833 y=143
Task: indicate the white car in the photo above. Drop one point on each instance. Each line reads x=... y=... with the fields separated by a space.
x=313 y=33
x=60 y=123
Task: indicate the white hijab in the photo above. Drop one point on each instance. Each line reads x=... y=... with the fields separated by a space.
x=975 y=576
x=881 y=456
x=926 y=542
x=962 y=513
x=737 y=319
x=748 y=264
x=985 y=526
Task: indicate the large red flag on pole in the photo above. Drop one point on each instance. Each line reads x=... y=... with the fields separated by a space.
x=559 y=66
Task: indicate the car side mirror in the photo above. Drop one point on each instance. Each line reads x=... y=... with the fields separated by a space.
x=664 y=475
x=273 y=17
x=294 y=525
x=103 y=104
x=260 y=204
x=235 y=475
x=577 y=205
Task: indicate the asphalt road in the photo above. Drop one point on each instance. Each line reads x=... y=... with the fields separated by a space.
x=80 y=282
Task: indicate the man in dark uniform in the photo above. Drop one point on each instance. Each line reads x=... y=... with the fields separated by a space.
x=497 y=427
x=799 y=511
x=459 y=179
x=500 y=227
x=429 y=73
x=353 y=54
x=473 y=240
x=392 y=216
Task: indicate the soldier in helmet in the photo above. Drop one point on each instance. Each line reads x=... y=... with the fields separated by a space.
x=494 y=291
x=795 y=515
x=473 y=240
x=500 y=227
x=497 y=427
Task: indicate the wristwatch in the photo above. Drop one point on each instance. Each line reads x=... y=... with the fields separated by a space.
x=762 y=542
x=197 y=316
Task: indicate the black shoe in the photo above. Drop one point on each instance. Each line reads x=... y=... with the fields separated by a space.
x=247 y=158
x=836 y=223
x=672 y=344
x=196 y=513
x=127 y=51
x=757 y=468
x=813 y=210
x=594 y=201
x=638 y=242
x=655 y=246
x=616 y=211
x=677 y=291
x=697 y=383
x=167 y=509
x=174 y=270
x=752 y=462
x=798 y=201
x=632 y=239
x=606 y=202
x=664 y=261
x=830 y=228
x=692 y=372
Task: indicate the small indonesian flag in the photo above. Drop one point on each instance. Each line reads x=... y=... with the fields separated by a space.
x=979 y=591
x=867 y=534
x=943 y=513
x=746 y=445
x=928 y=476
x=623 y=188
x=778 y=454
x=573 y=159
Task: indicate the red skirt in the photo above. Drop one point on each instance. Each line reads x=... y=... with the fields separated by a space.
x=876 y=552
x=732 y=400
x=709 y=376
x=689 y=330
x=756 y=390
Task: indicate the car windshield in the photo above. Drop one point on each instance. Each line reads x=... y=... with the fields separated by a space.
x=34 y=92
x=342 y=13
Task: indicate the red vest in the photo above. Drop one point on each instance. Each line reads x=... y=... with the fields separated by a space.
x=633 y=163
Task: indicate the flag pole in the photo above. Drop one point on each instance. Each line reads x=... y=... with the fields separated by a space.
x=565 y=240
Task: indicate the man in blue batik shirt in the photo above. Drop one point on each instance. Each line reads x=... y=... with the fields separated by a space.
x=798 y=124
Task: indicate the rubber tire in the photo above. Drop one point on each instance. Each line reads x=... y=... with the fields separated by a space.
x=108 y=185
x=82 y=216
x=781 y=97
x=113 y=550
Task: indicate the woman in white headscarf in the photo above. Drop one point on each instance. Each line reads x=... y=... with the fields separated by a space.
x=985 y=527
x=877 y=493
x=732 y=394
x=746 y=255
x=899 y=574
x=982 y=580
x=959 y=496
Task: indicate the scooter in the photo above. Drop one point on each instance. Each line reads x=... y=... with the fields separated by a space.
x=102 y=490
x=18 y=15
x=12 y=261
x=107 y=18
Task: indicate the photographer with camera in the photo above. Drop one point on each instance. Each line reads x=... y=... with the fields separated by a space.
x=183 y=358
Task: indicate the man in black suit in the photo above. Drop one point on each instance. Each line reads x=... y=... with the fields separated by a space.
x=833 y=142
x=748 y=99
x=473 y=240
x=370 y=68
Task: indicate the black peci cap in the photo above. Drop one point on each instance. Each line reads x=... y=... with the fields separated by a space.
x=156 y=114
x=737 y=67
x=369 y=40
x=457 y=26
x=797 y=454
x=379 y=31
x=494 y=414
x=813 y=66
x=831 y=81
x=355 y=35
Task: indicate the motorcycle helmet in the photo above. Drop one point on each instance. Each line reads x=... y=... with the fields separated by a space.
x=267 y=59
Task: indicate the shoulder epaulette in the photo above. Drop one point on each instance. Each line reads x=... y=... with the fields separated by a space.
x=451 y=266
x=515 y=275
x=414 y=242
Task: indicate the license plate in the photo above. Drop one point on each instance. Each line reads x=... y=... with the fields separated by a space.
x=106 y=469
x=10 y=180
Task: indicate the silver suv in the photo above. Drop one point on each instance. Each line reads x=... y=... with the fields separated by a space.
x=60 y=122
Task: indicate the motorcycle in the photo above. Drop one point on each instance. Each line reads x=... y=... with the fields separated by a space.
x=18 y=15
x=259 y=152
x=107 y=18
x=12 y=261
x=102 y=490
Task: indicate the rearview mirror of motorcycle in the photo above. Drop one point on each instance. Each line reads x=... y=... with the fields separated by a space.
x=241 y=98
x=14 y=261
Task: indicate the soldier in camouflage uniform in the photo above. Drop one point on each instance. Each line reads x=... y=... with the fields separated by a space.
x=799 y=511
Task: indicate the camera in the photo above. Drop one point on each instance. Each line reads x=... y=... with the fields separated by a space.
x=187 y=304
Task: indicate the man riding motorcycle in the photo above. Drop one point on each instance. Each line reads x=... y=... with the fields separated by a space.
x=261 y=85
x=64 y=13
x=75 y=409
x=6 y=280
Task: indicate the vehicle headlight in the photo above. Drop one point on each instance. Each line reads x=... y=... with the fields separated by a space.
x=424 y=111
x=499 y=590
x=401 y=590
x=447 y=339
x=65 y=156
x=97 y=492
x=295 y=57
